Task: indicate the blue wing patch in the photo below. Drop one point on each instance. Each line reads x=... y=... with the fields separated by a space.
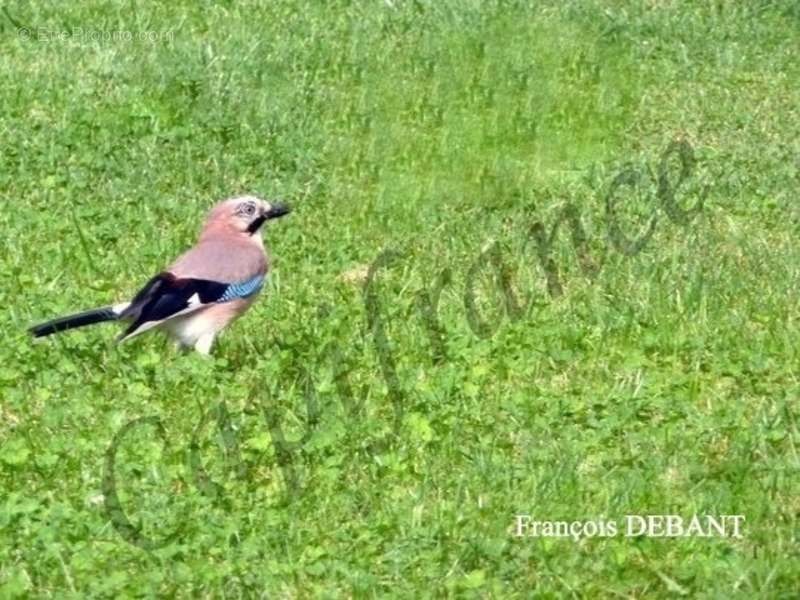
x=245 y=289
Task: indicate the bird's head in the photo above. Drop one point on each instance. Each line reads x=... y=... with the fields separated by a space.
x=245 y=214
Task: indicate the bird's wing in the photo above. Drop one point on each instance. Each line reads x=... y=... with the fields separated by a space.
x=166 y=296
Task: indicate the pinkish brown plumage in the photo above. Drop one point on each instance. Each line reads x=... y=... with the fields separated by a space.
x=205 y=289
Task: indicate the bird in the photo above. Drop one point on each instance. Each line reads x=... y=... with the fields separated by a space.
x=204 y=289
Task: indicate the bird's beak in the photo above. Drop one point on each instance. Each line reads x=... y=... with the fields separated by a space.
x=277 y=210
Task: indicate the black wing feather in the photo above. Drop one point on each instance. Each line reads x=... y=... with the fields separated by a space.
x=166 y=295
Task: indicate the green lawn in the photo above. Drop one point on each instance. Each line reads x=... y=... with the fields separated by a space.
x=358 y=433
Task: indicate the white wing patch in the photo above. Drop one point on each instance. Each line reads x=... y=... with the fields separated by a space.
x=194 y=300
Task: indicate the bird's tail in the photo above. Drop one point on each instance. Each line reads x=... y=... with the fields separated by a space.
x=89 y=317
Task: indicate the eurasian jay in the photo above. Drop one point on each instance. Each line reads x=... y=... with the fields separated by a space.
x=205 y=289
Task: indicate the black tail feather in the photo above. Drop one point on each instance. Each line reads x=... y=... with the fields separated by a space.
x=89 y=317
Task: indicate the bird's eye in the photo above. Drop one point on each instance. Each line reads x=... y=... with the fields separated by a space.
x=248 y=208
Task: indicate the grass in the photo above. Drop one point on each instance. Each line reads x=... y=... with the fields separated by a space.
x=313 y=457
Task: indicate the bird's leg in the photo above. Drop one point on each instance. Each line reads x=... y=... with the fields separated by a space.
x=204 y=342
